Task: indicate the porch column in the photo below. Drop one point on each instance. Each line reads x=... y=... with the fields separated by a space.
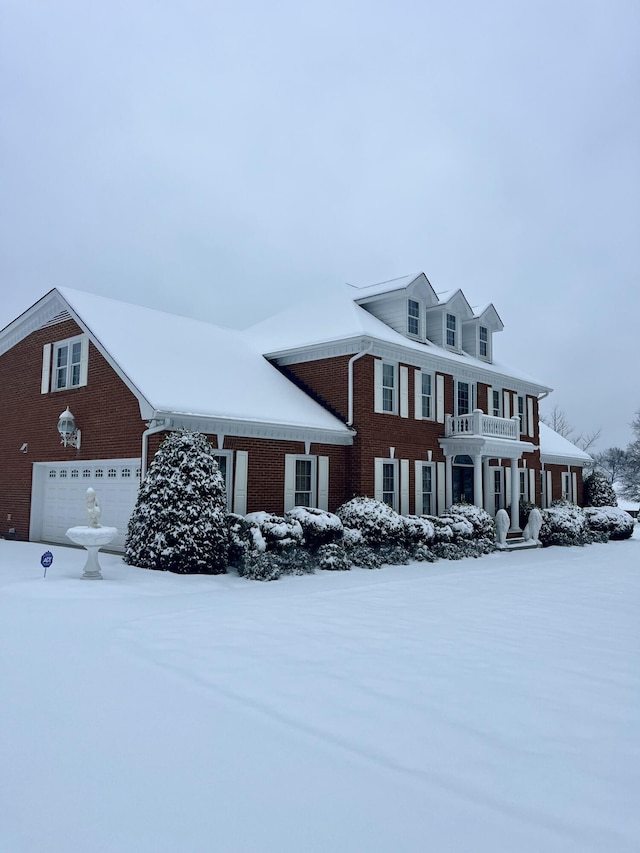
x=515 y=497
x=477 y=479
x=448 y=498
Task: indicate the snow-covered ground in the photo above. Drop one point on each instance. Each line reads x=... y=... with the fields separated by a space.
x=485 y=705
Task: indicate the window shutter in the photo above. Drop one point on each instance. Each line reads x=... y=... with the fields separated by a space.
x=377 y=385
x=507 y=483
x=240 y=482
x=404 y=392
x=289 y=482
x=46 y=369
x=417 y=468
x=440 y=399
x=323 y=482
x=574 y=488
x=440 y=486
x=84 y=360
x=549 y=488
x=507 y=404
x=377 y=477
x=489 y=407
x=417 y=395
x=532 y=486
x=404 y=487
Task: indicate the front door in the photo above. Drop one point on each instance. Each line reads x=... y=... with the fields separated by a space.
x=462 y=484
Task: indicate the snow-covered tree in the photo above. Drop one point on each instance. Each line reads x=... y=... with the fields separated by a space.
x=630 y=478
x=178 y=523
x=598 y=491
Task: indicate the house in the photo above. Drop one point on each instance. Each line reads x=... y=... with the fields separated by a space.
x=390 y=390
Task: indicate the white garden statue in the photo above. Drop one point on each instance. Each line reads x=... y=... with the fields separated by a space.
x=92 y=536
x=534 y=523
x=502 y=526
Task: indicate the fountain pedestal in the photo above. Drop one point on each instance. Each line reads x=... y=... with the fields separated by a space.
x=92 y=538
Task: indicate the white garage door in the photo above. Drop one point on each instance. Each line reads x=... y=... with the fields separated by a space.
x=59 y=491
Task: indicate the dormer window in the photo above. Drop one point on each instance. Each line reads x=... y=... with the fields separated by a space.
x=483 y=349
x=413 y=317
x=452 y=331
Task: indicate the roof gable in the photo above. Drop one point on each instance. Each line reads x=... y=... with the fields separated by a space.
x=417 y=285
x=489 y=317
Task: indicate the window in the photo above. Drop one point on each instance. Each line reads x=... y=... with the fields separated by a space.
x=464 y=398
x=67 y=363
x=524 y=491
x=413 y=317
x=225 y=464
x=388 y=388
x=427 y=395
x=451 y=336
x=428 y=507
x=494 y=404
x=566 y=486
x=389 y=483
x=497 y=490
x=483 y=349
x=522 y=411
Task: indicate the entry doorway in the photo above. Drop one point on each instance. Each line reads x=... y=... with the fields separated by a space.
x=462 y=479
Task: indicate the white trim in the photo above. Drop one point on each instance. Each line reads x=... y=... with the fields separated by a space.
x=418 y=468
x=290 y=460
x=378 y=475
x=228 y=455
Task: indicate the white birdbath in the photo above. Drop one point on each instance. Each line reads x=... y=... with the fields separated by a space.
x=92 y=538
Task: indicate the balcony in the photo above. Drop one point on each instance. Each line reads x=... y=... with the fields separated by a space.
x=478 y=424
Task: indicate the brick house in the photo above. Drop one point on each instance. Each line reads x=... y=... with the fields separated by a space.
x=387 y=391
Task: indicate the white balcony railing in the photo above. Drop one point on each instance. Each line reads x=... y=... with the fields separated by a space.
x=477 y=423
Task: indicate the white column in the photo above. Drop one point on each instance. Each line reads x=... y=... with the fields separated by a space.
x=477 y=479
x=448 y=481
x=515 y=497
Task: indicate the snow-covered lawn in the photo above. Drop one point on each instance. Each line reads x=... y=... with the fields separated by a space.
x=485 y=705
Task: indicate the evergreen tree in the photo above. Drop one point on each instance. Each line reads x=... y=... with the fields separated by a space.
x=598 y=491
x=178 y=523
x=630 y=479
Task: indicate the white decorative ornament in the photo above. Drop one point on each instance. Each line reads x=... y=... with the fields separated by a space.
x=502 y=526
x=534 y=523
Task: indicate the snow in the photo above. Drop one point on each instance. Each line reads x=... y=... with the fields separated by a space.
x=554 y=448
x=187 y=366
x=482 y=705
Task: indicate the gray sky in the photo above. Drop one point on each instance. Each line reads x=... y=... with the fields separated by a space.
x=220 y=159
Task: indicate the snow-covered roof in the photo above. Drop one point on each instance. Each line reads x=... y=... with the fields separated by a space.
x=363 y=290
x=554 y=448
x=185 y=366
x=338 y=318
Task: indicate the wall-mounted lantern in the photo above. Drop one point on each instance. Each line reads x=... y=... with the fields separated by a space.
x=69 y=433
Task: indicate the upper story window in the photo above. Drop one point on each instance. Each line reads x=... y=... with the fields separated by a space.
x=427 y=395
x=451 y=331
x=388 y=388
x=465 y=397
x=64 y=364
x=522 y=412
x=483 y=349
x=413 y=317
x=67 y=357
x=495 y=400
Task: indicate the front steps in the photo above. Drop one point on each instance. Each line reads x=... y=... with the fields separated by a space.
x=516 y=542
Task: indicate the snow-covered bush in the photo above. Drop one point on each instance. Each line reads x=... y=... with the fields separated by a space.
x=318 y=526
x=395 y=555
x=260 y=567
x=333 y=558
x=598 y=491
x=418 y=529
x=614 y=522
x=364 y=556
x=245 y=539
x=564 y=523
x=378 y=522
x=447 y=551
x=482 y=523
x=423 y=554
x=178 y=523
x=279 y=533
x=442 y=529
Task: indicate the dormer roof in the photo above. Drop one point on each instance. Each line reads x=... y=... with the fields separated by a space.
x=456 y=304
x=489 y=317
x=416 y=284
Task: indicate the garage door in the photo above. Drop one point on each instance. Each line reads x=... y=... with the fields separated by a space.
x=59 y=491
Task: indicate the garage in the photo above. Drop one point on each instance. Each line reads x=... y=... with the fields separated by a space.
x=59 y=490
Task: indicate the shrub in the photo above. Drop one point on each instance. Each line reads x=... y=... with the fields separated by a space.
x=244 y=537
x=364 y=556
x=279 y=533
x=442 y=529
x=333 y=558
x=598 y=491
x=377 y=522
x=447 y=551
x=179 y=520
x=395 y=555
x=260 y=567
x=482 y=523
x=423 y=554
x=615 y=523
x=418 y=529
x=564 y=523
x=318 y=526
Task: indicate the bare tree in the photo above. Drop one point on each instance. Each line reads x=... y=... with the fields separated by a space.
x=559 y=422
x=611 y=462
x=630 y=477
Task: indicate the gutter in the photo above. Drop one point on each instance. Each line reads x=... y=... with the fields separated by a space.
x=368 y=348
x=155 y=425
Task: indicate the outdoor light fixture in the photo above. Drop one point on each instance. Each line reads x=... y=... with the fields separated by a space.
x=69 y=433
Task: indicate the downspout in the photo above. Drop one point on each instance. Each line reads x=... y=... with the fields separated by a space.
x=352 y=360
x=159 y=426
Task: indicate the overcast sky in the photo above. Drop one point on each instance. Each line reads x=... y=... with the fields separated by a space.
x=220 y=159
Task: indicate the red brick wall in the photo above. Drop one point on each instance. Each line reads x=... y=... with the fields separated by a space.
x=106 y=412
